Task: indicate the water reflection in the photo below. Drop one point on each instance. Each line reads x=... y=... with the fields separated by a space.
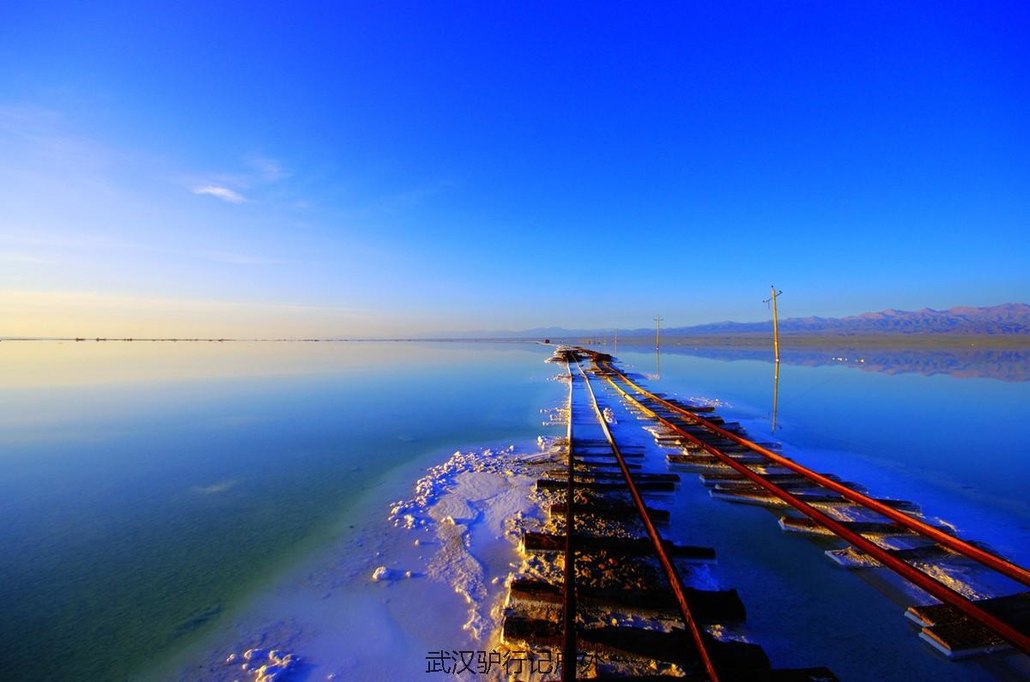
x=953 y=444
x=40 y=364
x=1004 y=364
x=149 y=486
x=657 y=374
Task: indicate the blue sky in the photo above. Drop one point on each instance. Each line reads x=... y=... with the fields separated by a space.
x=395 y=168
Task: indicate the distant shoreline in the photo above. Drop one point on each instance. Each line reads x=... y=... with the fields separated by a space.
x=747 y=340
x=897 y=341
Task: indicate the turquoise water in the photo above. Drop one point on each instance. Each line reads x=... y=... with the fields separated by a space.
x=954 y=443
x=950 y=443
x=148 y=488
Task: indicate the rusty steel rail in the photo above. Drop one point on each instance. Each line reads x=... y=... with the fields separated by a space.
x=993 y=561
x=569 y=647
x=968 y=607
x=671 y=573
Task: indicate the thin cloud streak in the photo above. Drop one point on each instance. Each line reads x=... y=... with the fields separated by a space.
x=268 y=170
x=223 y=193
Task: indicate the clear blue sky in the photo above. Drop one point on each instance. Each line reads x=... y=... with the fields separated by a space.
x=399 y=167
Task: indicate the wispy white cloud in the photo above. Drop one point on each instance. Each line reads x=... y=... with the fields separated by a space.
x=268 y=170
x=260 y=171
x=219 y=192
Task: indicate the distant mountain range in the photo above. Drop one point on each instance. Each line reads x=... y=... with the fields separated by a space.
x=1006 y=319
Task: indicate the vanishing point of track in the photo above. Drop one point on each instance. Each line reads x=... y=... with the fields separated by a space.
x=703 y=656
x=671 y=573
x=602 y=528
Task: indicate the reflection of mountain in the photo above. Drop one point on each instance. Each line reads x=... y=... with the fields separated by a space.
x=1003 y=363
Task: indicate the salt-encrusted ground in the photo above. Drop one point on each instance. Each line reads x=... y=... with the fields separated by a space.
x=394 y=599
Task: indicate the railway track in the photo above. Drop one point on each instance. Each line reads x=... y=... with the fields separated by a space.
x=612 y=597
x=741 y=470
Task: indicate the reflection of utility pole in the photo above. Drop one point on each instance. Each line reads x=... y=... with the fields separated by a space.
x=776 y=353
x=776 y=323
x=657 y=347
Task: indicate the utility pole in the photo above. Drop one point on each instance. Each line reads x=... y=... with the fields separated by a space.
x=776 y=323
x=657 y=331
x=776 y=352
x=616 y=351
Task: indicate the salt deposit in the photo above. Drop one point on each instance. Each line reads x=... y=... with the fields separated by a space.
x=470 y=502
x=430 y=576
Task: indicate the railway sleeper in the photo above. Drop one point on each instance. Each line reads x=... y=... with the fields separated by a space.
x=793 y=486
x=711 y=461
x=710 y=606
x=850 y=557
x=544 y=542
x=606 y=464
x=954 y=634
x=815 y=499
x=734 y=660
x=611 y=474
x=642 y=485
x=712 y=478
x=806 y=525
x=610 y=510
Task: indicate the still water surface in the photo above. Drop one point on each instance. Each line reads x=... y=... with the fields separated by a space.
x=953 y=444
x=950 y=439
x=148 y=488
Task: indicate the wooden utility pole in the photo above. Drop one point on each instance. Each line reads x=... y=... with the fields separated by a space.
x=616 y=351
x=776 y=322
x=657 y=331
x=776 y=353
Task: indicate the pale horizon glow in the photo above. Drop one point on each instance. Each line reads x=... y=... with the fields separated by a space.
x=91 y=315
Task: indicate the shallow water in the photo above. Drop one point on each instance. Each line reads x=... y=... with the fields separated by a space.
x=952 y=444
x=149 y=488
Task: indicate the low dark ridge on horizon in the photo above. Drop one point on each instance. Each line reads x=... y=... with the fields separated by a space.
x=1006 y=319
